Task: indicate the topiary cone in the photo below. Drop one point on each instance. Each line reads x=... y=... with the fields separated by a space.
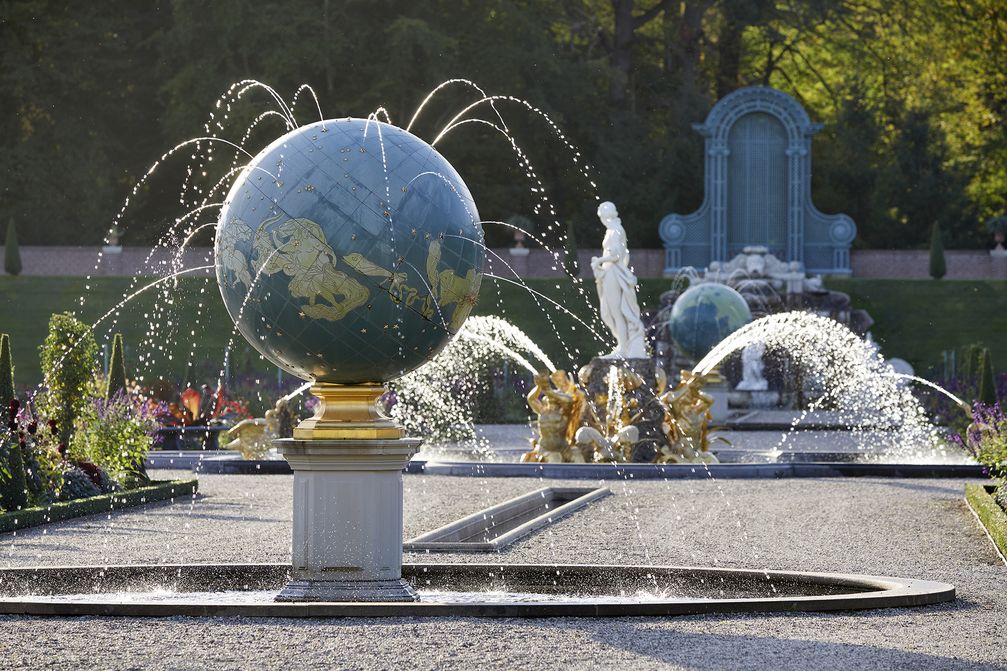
x=13 y=486
x=116 y=369
x=6 y=376
x=987 y=387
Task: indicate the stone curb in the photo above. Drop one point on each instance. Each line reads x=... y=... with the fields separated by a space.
x=693 y=471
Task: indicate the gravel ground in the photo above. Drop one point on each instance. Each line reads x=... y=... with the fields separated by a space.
x=906 y=528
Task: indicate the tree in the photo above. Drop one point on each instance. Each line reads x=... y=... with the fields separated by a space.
x=116 y=369
x=13 y=487
x=82 y=98
x=987 y=387
x=938 y=268
x=625 y=26
x=623 y=79
x=12 y=253
x=68 y=357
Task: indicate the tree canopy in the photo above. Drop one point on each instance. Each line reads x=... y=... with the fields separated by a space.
x=913 y=96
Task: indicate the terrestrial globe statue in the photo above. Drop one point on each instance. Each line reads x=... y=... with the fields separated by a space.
x=349 y=251
x=704 y=315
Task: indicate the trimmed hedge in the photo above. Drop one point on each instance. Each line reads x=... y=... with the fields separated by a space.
x=161 y=490
x=992 y=516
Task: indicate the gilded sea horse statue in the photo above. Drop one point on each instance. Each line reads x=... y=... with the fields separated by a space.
x=687 y=420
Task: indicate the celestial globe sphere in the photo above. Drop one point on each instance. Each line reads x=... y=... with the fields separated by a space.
x=349 y=251
x=704 y=315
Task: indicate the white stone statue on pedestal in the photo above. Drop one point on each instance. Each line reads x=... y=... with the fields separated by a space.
x=617 y=289
x=752 y=366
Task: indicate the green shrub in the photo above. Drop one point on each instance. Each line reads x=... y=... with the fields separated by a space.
x=6 y=375
x=969 y=360
x=13 y=484
x=116 y=370
x=77 y=484
x=986 y=440
x=12 y=252
x=68 y=358
x=116 y=436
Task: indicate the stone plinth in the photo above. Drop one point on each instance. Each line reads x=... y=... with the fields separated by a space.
x=756 y=399
x=649 y=424
x=347 y=530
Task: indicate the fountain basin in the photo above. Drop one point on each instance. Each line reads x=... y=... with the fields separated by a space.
x=455 y=590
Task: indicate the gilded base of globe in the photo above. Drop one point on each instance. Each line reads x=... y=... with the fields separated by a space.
x=347 y=412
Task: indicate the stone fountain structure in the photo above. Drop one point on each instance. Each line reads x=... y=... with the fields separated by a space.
x=349 y=273
x=627 y=373
x=769 y=286
x=619 y=408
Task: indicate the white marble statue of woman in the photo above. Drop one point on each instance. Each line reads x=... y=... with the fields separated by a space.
x=617 y=289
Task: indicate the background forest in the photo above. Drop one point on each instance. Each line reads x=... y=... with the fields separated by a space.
x=913 y=95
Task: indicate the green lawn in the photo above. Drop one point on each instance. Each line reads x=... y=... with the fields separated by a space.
x=27 y=302
x=915 y=319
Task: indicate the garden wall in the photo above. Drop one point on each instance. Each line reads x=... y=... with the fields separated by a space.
x=911 y=264
x=57 y=261
x=867 y=263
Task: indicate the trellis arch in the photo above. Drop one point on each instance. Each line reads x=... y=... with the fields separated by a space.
x=757 y=190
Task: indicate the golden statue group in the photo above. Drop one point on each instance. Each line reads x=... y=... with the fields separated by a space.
x=571 y=429
x=631 y=415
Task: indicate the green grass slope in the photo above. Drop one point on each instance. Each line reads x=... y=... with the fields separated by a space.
x=917 y=319
x=27 y=302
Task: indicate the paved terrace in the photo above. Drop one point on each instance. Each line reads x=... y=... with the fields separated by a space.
x=896 y=527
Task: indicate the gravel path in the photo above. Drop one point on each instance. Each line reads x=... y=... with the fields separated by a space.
x=903 y=528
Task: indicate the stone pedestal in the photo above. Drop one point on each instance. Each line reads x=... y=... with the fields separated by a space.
x=594 y=377
x=347 y=531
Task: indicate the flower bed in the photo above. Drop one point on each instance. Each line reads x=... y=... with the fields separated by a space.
x=162 y=490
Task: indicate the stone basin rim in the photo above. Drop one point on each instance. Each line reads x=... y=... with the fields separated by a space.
x=866 y=592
